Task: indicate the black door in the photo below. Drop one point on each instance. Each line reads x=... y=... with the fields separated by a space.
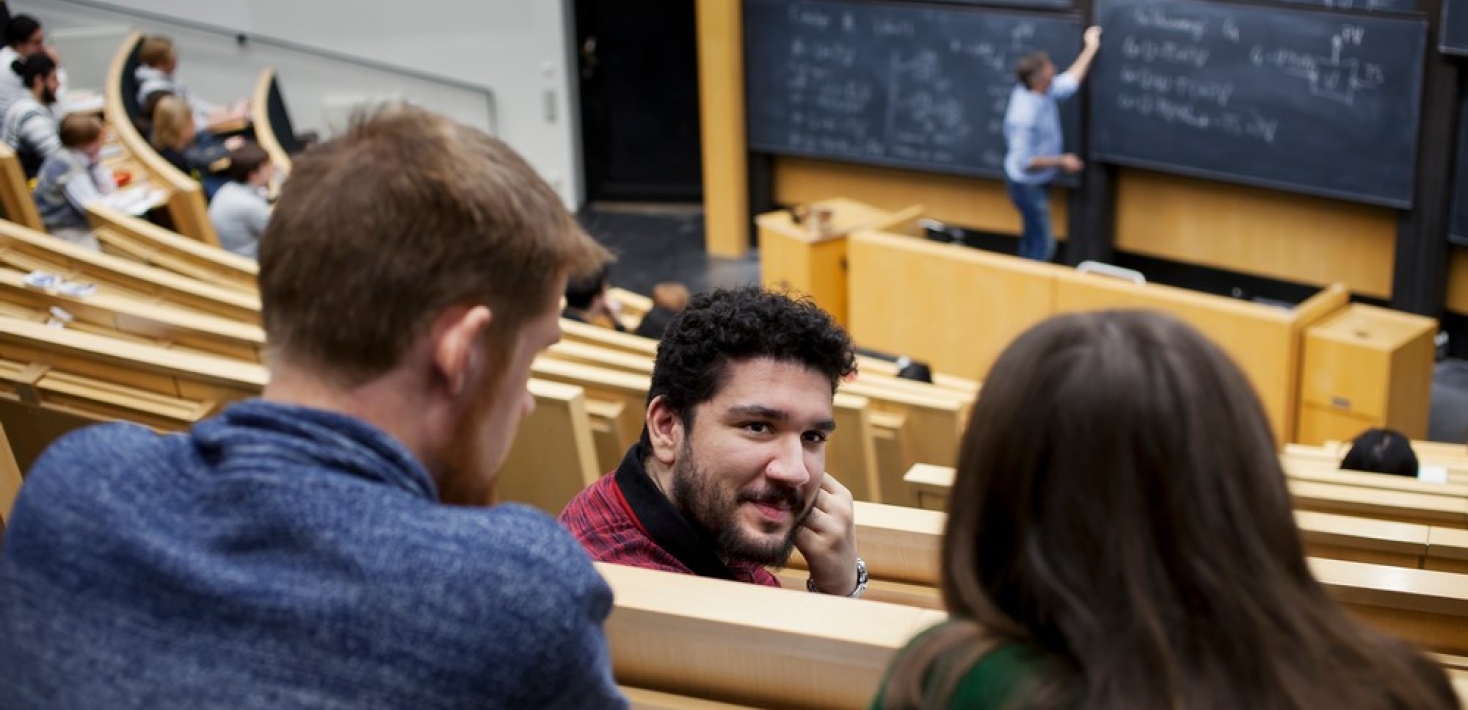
x=638 y=61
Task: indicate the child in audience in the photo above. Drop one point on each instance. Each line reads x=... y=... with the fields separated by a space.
x=239 y=210
x=29 y=123
x=73 y=177
x=1120 y=536
x=182 y=145
x=157 y=67
x=669 y=298
x=1382 y=451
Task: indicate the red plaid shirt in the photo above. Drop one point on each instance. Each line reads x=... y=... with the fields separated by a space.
x=626 y=526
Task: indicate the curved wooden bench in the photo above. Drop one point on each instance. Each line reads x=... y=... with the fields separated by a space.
x=140 y=240
x=266 y=104
x=27 y=250
x=186 y=205
x=15 y=192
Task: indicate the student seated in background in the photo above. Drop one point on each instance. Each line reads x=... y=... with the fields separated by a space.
x=330 y=544
x=72 y=178
x=669 y=298
x=157 y=68
x=1382 y=451
x=587 y=300
x=239 y=210
x=730 y=477
x=195 y=154
x=29 y=123
x=24 y=37
x=1120 y=536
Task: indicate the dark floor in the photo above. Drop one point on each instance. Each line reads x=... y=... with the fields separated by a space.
x=655 y=243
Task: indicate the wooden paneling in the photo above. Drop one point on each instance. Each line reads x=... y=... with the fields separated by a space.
x=1458 y=280
x=952 y=306
x=969 y=202
x=1255 y=231
x=721 y=106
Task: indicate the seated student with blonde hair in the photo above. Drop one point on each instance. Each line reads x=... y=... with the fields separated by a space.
x=1120 y=536
x=239 y=210
x=157 y=69
x=194 y=153
x=73 y=177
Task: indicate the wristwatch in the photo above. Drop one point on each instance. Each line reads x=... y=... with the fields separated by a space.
x=861 y=581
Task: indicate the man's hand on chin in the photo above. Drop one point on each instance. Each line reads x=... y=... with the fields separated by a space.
x=827 y=539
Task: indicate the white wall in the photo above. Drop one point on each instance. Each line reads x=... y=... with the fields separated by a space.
x=519 y=50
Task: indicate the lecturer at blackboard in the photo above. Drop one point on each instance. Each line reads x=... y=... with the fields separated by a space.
x=1035 y=143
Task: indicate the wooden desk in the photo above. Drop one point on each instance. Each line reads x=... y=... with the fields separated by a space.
x=1366 y=367
x=800 y=258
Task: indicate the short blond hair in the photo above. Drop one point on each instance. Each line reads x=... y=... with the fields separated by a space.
x=156 y=50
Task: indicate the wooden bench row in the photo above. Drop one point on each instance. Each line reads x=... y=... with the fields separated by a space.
x=757 y=646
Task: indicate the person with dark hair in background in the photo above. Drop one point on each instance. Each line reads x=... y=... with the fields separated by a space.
x=587 y=300
x=1382 y=451
x=1035 y=143
x=332 y=544
x=910 y=369
x=72 y=178
x=729 y=476
x=669 y=298
x=24 y=37
x=240 y=210
x=1096 y=555
x=29 y=123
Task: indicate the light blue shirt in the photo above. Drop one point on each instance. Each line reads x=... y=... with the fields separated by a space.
x=1032 y=129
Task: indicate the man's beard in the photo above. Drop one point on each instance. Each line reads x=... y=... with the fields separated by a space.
x=702 y=503
x=48 y=97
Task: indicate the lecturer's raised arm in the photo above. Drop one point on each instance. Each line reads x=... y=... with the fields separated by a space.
x=1082 y=64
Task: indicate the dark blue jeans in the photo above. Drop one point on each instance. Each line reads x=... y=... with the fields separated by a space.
x=1036 y=241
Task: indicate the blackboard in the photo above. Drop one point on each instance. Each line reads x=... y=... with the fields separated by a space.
x=1458 y=228
x=1058 y=4
x=911 y=86
x=1369 y=5
x=1455 y=27
x=1304 y=100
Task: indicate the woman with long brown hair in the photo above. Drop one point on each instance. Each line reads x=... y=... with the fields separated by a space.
x=1120 y=536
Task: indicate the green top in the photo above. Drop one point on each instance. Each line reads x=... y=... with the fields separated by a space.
x=989 y=683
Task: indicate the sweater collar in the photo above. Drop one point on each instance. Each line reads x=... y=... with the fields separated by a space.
x=259 y=432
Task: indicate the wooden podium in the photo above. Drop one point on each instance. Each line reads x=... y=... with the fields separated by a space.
x=1366 y=367
x=809 y=259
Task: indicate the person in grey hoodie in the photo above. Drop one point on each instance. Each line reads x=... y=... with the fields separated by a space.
x=239 y=210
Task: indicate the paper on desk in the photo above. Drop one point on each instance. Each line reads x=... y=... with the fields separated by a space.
x=134 y=200
x=1432 y=474
x=77 y=101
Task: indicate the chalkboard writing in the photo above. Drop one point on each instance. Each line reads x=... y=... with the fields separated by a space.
x=1458 y=228
x=1371 y=5
x=907 y=86
x=1303 y=100
x=1455 y=27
